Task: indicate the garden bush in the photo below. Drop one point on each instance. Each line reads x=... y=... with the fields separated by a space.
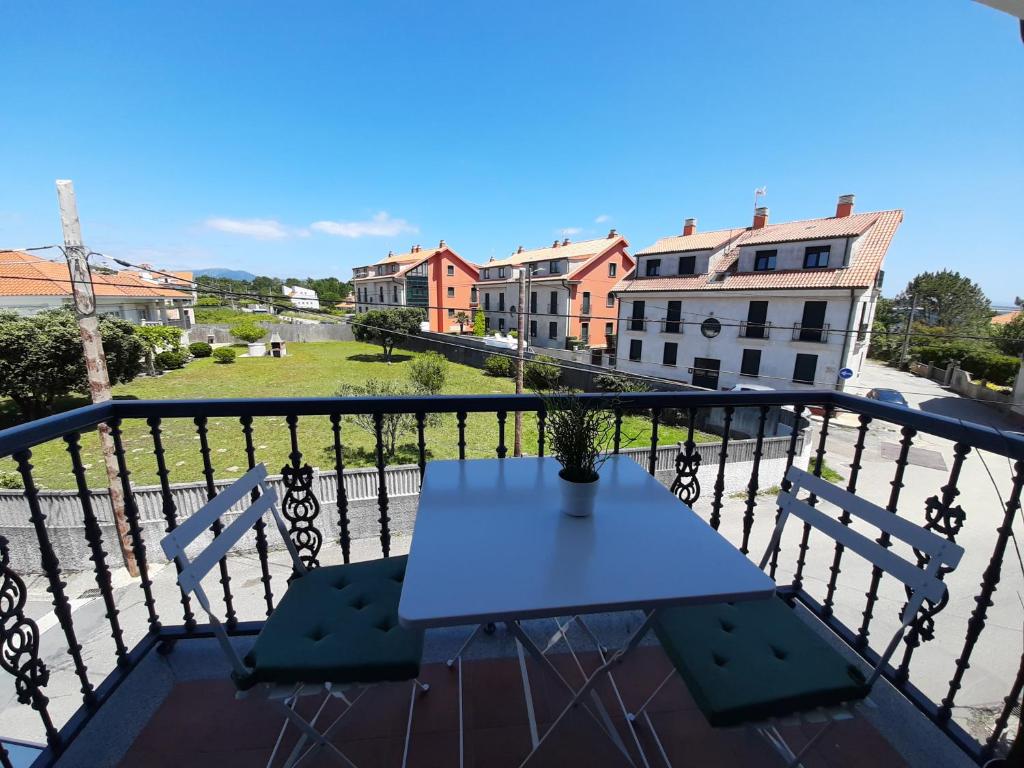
x=248 y=332
x=208 y=301
x=541 y=374
x=10 y=480
x=200 y=349
x=428 y=372
x=171 y=359
x=981 y=363
x=224 y=355
x=499 y=365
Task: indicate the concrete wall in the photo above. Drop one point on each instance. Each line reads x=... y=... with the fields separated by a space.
x=65 y=527
x=289 y=332
x=961 y=383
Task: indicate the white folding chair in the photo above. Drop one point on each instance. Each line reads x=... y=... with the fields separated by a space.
x=335 y=631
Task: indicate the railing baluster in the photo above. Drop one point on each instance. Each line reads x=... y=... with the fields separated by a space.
x=300 y=506
x=786 y=484
x=652 y=461
x=51 y=567
x=95 y=538
x=723 y=455
x=502 y=449
x=218 y=526
x=940 y=516
x=19 y=645
x=1011 y=702
x=382 y=487
x=421 y=443
x=169 y=509
x=844 y=518
x=617 y=439
x=819 y=463
x=542 y=418
x=339 y=469
x=754 y=484
x=885 y=539
x=686 y=485
x=461 y=419
x=131 y=511
x=261 y=524
x=989 y=582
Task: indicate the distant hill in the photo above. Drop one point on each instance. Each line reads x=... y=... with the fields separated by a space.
x=230 y=274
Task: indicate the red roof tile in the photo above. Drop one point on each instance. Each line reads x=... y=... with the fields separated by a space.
x=22 y=274
x=699 y=241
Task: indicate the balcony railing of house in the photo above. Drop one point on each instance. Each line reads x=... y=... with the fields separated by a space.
x=670 y=326
x=755 y=330
x=636 y=324
x=810 y=333
x=857 y=605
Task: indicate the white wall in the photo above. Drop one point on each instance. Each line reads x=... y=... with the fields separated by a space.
x=791 y=255
x=542 y=318
x=372 y=288
x=670 y=262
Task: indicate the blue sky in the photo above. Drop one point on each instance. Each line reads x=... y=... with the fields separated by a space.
x=306 y=138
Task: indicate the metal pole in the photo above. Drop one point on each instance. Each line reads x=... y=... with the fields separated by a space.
x=906 y=334
x=92 y=348
x=517 y=448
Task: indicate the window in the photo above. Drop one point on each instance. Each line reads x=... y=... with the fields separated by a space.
x=764 y=260
x=612 y=268
x=637 y=323
x=816 y=256
x=501 y=271
x=552 y=330
x=668 y=357
x=487 y=274
x=687 y=265
x=805 y=368
x=653 y=267
x=487 y=324
x=609 y=329
x=862 y=326
x=487 y=301
x=585 y=332
x=451 y=270
x=553 y=267
x=751 y=364
x=533 y=329
x=757 y=313
x=451 y=312
x=585 y=309
x=609 y=300
x=533 y=302
x=501 y=323
x=636 y=347
x=672 y=324
x=501 y=301
x=472 y=295
x=553 y=303
x=451 y=292
x=812 y=325
x=380 y=293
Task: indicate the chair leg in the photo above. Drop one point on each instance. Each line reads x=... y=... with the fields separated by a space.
x=633 y=715
x=657 y=741
x=417 y=687
x=803 y=751
x=315 y=735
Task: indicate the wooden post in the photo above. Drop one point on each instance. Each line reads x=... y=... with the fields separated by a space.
x=517 y=447
x=92 y=347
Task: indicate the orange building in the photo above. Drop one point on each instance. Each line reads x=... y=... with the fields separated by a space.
x=437 y=280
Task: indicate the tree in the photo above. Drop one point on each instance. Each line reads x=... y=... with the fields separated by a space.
x=428 y=373
x=393 y=425
x=541 y=374
x=158 y=338
x=479 y=323
x=462 y=319
x=387 y=327
x=248 y=331
x=1010 y=337
x=41 y=357
x=947 y=299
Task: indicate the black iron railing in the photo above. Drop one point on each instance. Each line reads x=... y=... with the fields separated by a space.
x=749 y=330
x=817 y=333
x=750 y=413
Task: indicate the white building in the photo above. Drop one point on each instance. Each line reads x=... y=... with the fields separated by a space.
x=779 y=305
x=301 y=298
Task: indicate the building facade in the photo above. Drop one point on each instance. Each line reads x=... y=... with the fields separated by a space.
x=770 y=305
x=438 y=280
x=301 y=298
x=569 y=295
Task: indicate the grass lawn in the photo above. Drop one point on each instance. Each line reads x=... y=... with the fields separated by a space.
x=314 y=369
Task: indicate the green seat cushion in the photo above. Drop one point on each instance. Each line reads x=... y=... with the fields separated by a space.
x=338 y=624
x=748 y=661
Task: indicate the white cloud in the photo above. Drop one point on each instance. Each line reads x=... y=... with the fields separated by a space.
x=602 y=218
x=569 y=231
x=260 y=229
x=379 y=225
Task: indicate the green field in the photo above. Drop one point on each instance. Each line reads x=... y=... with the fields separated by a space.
x=309 y=370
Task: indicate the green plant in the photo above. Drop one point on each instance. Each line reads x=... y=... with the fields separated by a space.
x=248 y=332
x=577 y=431
x=208 y=301
x=463 y=320
x=428 y=372
x=170 y=359
x=827 y=473
x=498 y=365
x=387 y=327
x=224 y=355
x=10 y=480
x=392 y=425
x=616 y=382
x=541 y=374
x=479 y=323
x=200 y=349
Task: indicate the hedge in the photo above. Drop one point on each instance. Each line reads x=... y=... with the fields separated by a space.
x=167 y=361
x=224 y=355
x=200 y=349
x=980 y=363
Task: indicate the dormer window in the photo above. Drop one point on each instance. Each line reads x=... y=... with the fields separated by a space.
x=687 y=265
x=553 y=268
x=816 y=256
x=764 y=261
x=653 y=267
x=487 y=274
x=501 y=271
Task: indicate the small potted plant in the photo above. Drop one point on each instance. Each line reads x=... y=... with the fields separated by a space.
x=251 y=333
x=578 y=431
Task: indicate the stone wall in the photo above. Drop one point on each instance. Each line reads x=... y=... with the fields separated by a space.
x=296 y=332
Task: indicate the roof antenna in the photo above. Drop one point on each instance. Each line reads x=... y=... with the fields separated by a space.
x=759 y=192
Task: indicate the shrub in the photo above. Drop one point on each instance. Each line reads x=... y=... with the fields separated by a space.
x=428 y=372
x=224 y=355
x=541 y=374
x=10 y=480
x=171 y=359
x=979 y=362
x=248 y=332
x=200 y=349
x=479 y=323
x=498 y=365
x=616 y=382
x=208 y=301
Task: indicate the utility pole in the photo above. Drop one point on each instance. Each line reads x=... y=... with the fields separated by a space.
x=92 y=348
x=517 y=449
x=906 y=333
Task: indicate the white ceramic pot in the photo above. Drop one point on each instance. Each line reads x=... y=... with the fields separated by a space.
x=257 y=349
x=578 y=498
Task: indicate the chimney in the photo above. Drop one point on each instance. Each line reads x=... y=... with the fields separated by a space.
x=689 y=226
x=566 y=241
x=612 y=233
x=555 y=244
x=845 y=206
x=441 y=244
x=391 y=254
x=760 y=217
x=519 y=249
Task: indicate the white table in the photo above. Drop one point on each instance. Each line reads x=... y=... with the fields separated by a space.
x=490 y=544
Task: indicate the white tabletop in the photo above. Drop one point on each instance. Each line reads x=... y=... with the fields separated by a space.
x=490 y=544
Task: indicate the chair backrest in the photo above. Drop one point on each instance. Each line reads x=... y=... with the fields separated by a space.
x=923 y=583
x=191 y=572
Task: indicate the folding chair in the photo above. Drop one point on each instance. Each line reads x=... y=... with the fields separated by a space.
x=750 y=663
x=335 y=631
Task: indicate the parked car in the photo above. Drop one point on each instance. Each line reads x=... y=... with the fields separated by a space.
x=890 y=396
